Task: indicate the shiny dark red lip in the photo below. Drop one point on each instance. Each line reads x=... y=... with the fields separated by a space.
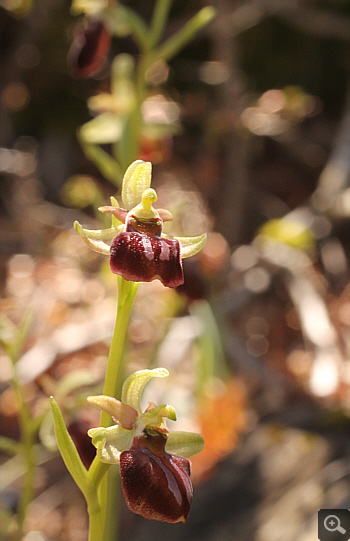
x=140 y=257
x=156 y=484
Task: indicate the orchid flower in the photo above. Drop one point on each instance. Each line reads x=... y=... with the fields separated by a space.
x=138 y=249
x=156 y=483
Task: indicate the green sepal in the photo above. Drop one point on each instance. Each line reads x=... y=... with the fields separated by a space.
x=134 y=385
x=185 y=444
x=99 y=240
x=72 y=459
x=191 y=245
x=136 y=180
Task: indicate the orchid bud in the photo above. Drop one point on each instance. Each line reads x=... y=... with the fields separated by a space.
x=156 y=484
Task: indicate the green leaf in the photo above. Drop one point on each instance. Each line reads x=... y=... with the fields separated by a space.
x=72 y=459
x=191 y=245
x=23 y=331
x=12 y=338
x=136 y=180
x=9 y=446
x=185 y=444
x=134 y=385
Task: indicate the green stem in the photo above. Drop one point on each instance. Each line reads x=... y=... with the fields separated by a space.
x=112 y=505
x=27 y=492
x=27 y=447
x=102 y=523
x=126 y=296
x=177 y=42
x=96 y=526
x=159 y=19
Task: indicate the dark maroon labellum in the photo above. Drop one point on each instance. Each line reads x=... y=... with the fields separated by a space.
x=156 y=484
x=89 y=49
x=142 y=258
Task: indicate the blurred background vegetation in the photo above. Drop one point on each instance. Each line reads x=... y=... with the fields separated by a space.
x=258 y=338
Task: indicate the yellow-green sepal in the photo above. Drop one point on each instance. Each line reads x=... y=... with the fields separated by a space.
x=185 y=444
x=99 y=240
x=191 y=245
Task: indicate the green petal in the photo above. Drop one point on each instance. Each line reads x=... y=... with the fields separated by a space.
x=154 y=418
x=134 y=384
x=99 y=240
x=110 y=442
x=185 y=444
x=122 y=414
x=191 y=245
x=136 y=180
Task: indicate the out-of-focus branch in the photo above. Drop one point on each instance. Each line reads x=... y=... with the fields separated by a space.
x=332 y=195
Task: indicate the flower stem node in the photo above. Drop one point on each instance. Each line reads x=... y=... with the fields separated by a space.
x=153 y=462
x=138 y=249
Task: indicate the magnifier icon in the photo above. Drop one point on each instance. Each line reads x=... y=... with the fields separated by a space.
x=332 y=524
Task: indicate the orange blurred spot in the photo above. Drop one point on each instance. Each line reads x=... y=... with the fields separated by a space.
x=222 y=419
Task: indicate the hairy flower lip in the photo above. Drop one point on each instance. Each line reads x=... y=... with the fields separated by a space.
x=156 y=484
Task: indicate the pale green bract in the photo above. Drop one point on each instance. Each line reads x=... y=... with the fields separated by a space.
x=112 y=441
